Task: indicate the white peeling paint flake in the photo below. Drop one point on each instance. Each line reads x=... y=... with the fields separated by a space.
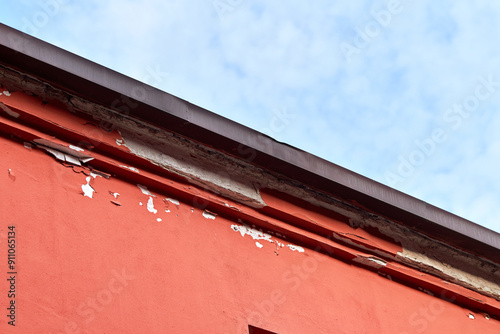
x=67 y=157
x=6 y=93
x=370 y=261
x=378 y=261
x=259 y=235
x=158 y=220
x=62 y=152
x=209 y=215
x=115 y=195
x=72 y=160
x=151 y=207
x=87 y=188
x=119 y=142
x=76 y=148
x=144 y=190
x=94 y=175
x=131 y=168
x=171 y=200
x=296 y=248
x=255 y=234
x=150 y=204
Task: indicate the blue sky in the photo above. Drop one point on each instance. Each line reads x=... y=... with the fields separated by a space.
x=403 y=92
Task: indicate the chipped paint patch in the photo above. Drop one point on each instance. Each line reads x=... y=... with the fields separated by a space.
x=120 y=142
x=9 y=111
x=370 y=261
x=76 y=148
x=115 y=195
x=471 y=316
x=131 y=168
x=151 y=207
x=158 y=220
x=209 y=215
x=378 y=261
x=167 y=210
x=28 y=145
x=63 y=153
x=171 y=200
x=232 y=207
x=259 y=235
x=140 y=203
x=296 y=248
x=144 y=190
x=12 y=176
x=96 y=174
x=6 y=93
x=255 y=234
x=87 y=188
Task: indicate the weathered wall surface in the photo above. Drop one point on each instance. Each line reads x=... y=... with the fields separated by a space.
x=151 y=265
x=108 y=242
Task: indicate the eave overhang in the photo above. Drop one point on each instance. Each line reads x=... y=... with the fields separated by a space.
x=104 y=87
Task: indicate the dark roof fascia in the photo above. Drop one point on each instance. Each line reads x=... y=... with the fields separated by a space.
x=104 y=86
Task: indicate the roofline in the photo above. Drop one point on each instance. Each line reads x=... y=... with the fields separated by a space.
x=104 y=86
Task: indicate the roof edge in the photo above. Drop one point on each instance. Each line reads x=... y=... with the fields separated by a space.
x=105 y=87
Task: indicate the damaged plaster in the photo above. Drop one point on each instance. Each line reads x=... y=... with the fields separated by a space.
x=63 y=153
x=434 y=257
x=131 y=168
x=200 y=168
x=370 y=261
x=88 y=191
x=172 y=200
x=209 y=215
x=259 y=235
x=150 y=205
x=240 y=181
x=144 y=190
x=296 y=248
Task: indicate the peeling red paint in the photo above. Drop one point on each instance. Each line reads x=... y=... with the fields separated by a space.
x=324 y=221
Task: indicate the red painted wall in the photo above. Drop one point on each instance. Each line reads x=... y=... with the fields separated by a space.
x=88 y=265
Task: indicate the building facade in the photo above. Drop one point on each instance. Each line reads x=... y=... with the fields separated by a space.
x=125 y=209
